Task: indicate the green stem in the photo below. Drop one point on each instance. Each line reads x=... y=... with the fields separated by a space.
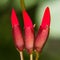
x=22 y=4
x=37 y=55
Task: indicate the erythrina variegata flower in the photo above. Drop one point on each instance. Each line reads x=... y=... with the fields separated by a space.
x=17 y=34
x=43 y=32
x=29 y=32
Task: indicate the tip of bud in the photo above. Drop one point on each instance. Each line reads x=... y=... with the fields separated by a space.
x=14 y=19
x=46 y=18
x=27 y=19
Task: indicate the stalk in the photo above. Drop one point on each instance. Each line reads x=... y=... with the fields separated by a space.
x=31 y=56
x=21 y=55
x=37 y=55
x=22 y=4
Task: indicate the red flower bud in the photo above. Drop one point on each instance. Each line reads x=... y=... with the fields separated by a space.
x=43 y=32
x=17 y=34
x=29 y=32
x=14 y=19
x=27 y=20
x=46 y=18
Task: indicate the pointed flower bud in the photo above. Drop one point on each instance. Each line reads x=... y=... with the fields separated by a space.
x=14 y=19
x=27 y=20
x=17 y=34
x=29 y=32
x=43 y=31
x=46 y=18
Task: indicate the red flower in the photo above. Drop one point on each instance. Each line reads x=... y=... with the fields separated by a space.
x=16 y=30
x=29 y=32
x=43 y=32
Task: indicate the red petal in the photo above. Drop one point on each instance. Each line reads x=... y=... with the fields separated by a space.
x=27 y=20
x=41 y=39
x=29 y=39
x=16 y=30
x=46 y=18
x=43 y=32
x=18 y=38
x=14 y=19
x=29 y=33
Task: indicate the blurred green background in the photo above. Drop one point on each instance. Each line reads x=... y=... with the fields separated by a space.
x=35 y=9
